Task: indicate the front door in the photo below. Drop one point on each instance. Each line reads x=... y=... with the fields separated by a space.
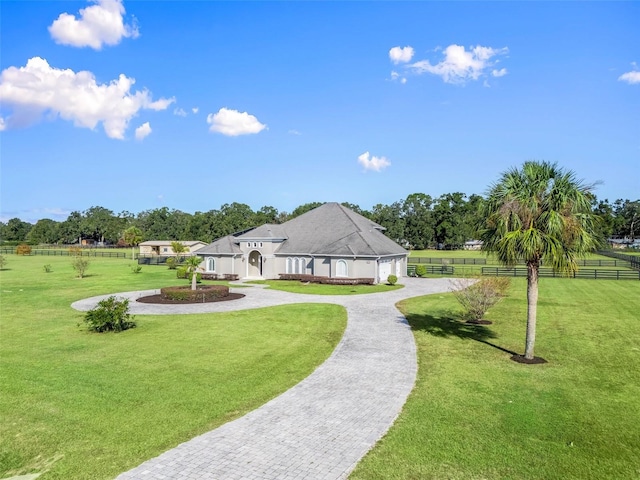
x=255 y=264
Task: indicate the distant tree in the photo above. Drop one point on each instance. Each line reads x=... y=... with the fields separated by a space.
x=449 y=213
x=535 y=213
x=418 y=217
x=16 y=230
x=70 y=230
x=357 y=209
x=304 y=209
x=132 y=236
x=627 y=218
x=44 y=231
x=266 y=214
x=392 y=219
x=178 y=248
x=163 y=224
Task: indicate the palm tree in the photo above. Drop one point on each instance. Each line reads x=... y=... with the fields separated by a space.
x=178 y=248
x=539 y=212
x=192 y=267
x=132 y=236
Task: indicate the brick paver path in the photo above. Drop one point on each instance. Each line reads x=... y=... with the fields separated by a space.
x=322 y=427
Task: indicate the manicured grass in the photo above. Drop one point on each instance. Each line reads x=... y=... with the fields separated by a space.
x=80 y=405
x=475 y=414
x=294 y=286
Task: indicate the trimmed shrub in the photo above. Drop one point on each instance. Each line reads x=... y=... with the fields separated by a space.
x=326 y=280
x=23 y=249
x=421 y=270
x=204 y=293
x=392 y=279
x=110 y=315
x=171 y=263
x=136 y=268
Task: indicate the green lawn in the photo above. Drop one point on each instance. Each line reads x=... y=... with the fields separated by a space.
x=294 y=286
x=475 y=414
x=78 y=405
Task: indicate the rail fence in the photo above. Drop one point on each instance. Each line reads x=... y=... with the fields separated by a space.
x=66 y=253
x=596 y=274
x=621 y=261
x=634 y=260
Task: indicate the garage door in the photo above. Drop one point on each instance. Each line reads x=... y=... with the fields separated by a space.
x=384 y=270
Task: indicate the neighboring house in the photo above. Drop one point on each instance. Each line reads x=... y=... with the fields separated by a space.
x=473 y=245
x=620 y=243
x=163 y=247
x=329 y=241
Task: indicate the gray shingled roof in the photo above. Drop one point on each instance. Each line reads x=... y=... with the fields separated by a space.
x=224 y=246
x=330 y=229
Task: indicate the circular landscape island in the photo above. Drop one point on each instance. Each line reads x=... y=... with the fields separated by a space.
x=185 y=295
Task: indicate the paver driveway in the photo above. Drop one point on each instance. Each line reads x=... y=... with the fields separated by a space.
x=322 y=427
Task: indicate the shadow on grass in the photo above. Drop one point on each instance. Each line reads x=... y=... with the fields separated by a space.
x=449 y=326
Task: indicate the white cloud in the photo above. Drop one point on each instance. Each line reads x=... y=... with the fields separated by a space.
x=401 y=55
x=37 y=89
x=97 y=25
x=3 y=125
x=373 y=163
x=499 y=73
x=396 y=77
x=631 y=77
x=460 y=65
x=294 y=132
x=195 y=109
x=143 y=130
x=180 y=112
x=233 y=123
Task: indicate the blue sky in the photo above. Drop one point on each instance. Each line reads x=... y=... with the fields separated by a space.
x=283 y=103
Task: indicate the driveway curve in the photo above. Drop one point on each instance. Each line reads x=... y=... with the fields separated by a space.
x=321 y=427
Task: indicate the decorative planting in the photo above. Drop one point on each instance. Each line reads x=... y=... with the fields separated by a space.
x=204 y=293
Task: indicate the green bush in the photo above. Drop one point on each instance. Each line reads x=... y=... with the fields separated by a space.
x=110 y=315
x=392 y=279
x=47 y=268
x=135 y=268
x=421 y=270
x=80 y=265
x=476 y=297
x=3 y=262
x=181 y=272
x=171 y=263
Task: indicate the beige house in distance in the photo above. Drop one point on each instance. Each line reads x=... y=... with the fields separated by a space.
x=330 y=241
x=163 y=248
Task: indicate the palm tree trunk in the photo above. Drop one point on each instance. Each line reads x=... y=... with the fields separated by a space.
x=532 y=308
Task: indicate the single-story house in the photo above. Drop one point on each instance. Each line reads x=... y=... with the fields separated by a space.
x=329 y=241
x=473 y=245
x=163 y=247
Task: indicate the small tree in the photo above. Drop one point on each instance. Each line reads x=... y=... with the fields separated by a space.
x=171 y=263
x=178 y=248
x=110 y=315
x=192 y=269
x=79 y=263
x=477 y=297
x=3 y=262
x=132 y=236
x=23 y=249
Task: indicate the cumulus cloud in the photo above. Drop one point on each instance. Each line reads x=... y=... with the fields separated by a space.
x=401 y=54
x=195 y=109
x=460 y=65
x=180 y=112
x=499 y=73
x=97 y=25
x=373 y=163
x=233 y=123
x=143 y=130
x=37 y=89
x=3 y=125
x=631 y=77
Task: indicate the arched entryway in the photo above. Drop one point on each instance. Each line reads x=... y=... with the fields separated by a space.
x=254 y=269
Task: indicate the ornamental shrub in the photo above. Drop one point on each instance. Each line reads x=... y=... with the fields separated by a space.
x=392 y=279
x=202 y=294
x=171 y=263
x=181 y=272
x=478 y=297
x=23 y=249
x=421 y=270
x=135 y=268
x=47 y=268
x=80 y=265
x=110 y=315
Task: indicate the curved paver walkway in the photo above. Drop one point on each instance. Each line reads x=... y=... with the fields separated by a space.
x=323 y=426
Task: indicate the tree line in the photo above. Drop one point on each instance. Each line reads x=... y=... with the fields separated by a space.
x=417 y=222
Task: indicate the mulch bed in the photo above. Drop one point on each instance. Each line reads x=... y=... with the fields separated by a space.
x=533 y=361
x=165 y=301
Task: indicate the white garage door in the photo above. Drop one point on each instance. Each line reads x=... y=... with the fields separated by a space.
x=384 y=270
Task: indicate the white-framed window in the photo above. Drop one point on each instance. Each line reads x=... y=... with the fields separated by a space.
x=342 y=269
x=296 y=265
x=165 y=249
x=260 y=244
x=211 y=264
